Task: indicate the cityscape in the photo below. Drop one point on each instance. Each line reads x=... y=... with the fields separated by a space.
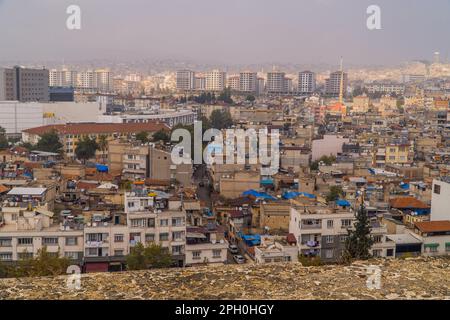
x=180 y=179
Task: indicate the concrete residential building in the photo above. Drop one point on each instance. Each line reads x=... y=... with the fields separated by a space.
x=24 y=84
x=233 y=82
x=435 y=236
x=333 y=83
x=248 y=82
x=306 y=82
x=63 y=78
x=185 y=80
x=322 y=232
x=440 y=199
x=276 y=82
x=215 y=80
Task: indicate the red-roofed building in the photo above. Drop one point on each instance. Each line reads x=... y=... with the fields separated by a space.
x=71 y=133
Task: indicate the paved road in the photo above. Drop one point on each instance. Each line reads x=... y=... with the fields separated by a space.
x=203 y=193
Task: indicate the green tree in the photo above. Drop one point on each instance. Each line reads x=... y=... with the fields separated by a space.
x=221 y=119
x=359 y=241
x=136 y=259
x=103 y=145
x=225 y=96
x=161 y=135
x=145 y=257
x=142 y=137
x=42 y=265
x=3 y=140
x=334 y=193
x=250 y=98
x=86 y=148
x=49 y=142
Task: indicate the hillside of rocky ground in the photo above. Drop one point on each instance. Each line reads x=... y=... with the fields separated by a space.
x=418 y=278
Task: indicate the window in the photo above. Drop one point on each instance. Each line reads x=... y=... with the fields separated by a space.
x=164 y=222
x=217 y=253
x=345 y=223
x=150 y=237
x=177 y=235
x=151 y=222
x=92 y=252
x=447 y=247
x=25 y=255
x=437 y=189
x=329 y=253
x=376 y=253
x=177 y=222
x=330 y=224
x=49 y=241
x=390 y=252
x=138 y=223
x=73 y=255
x=343 y=238
x=196 y=255
x=118 y=238
x=24 y=241
x=71 y=241
x=118 y=253
x=163 y=236
x=5 y=242
x=177 y=250
x=329 y=239
x=6 y=256
x=377 y=239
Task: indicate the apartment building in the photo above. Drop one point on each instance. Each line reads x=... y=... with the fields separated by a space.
x=248 y=82
x=276 y=249
x=24 y=230
x=233 y=82
x=185 y=80
x=276 y=82
x=24 y=84
x=206 y=245
x=333 y=83
x=215 y=80
x=152 y=217
x=386 y=88
x=399 y=153
x=306 y=82
x=322 y=232
x=435 y=237
x=440 y=195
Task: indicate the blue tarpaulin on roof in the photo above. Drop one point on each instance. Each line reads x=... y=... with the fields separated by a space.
x=404 y=186
x=257 y=194
x=343 y=203
x=294 y=194
x=252 y=239
x=101 y=168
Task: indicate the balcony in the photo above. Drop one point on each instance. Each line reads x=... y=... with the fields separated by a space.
x=96 y=244
x=311 y=226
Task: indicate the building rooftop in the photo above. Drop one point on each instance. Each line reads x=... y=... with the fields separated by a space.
x=99 y=128
x=433 y=226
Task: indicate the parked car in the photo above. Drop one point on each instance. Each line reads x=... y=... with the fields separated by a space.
x=239 y=259
x=233 y=249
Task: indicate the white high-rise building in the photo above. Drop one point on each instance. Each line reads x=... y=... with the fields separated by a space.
x=215 y=80
x=86 y=79
x=63 y=78
x=103 y=80
x=185 y=80
x=248 y=81
x=306 y=82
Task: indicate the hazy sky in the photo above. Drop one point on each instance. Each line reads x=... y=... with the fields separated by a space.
x=226 y=31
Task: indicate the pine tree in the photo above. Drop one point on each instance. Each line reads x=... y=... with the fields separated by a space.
x=359 y=240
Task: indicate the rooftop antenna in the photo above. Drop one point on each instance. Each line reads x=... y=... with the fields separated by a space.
x=341 y=85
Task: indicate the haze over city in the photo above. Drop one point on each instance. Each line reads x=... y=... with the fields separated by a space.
x=231 y=32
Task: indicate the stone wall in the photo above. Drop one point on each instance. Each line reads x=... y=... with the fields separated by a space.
x=414 y=278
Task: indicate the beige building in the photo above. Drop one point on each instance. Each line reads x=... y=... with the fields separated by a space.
x=234 y=184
